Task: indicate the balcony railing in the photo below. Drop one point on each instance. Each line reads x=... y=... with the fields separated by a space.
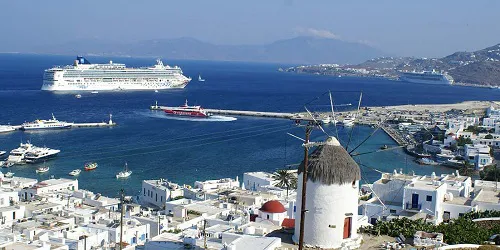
x=413 y=206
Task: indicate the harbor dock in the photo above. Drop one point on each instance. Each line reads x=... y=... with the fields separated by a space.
x=240 y=113
x=109 y=123
x=93 y=124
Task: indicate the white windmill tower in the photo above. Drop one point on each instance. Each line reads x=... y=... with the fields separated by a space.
x=332 y=198
x=331 y=190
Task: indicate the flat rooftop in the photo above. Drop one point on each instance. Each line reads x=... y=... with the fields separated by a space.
x=36 y=205
x=53 y=182
x=460 y=201
x=262 y=175
x=250 y=243
x=488 y=196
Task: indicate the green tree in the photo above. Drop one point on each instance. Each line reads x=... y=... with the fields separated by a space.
x=490 y=173
x=461 y=141
x=466 y=169
x=285 y=179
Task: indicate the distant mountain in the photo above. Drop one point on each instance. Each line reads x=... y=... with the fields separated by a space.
x=480 y=67
x=294 y=50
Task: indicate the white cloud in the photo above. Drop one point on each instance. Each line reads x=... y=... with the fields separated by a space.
x=317 y=33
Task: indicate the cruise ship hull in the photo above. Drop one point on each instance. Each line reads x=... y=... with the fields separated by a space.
x=421 y=81
x=111 y=86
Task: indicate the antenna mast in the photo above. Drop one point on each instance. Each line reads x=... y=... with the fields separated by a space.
x=121 y=220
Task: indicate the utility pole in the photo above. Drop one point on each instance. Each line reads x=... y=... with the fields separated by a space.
x=204 y=234
x=304 y=184
x=159 y=228
x=121 y=219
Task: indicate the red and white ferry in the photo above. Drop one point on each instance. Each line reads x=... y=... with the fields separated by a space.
x=186 y=110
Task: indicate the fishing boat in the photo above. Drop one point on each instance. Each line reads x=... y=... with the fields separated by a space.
x=9 y=174
x=90 y=166
x=94 y=92
x=125 y=173
x=75 y=172
x=43 y=169
x=78 y=96
x=384 y=147
x=200 y=79
x=156 y=91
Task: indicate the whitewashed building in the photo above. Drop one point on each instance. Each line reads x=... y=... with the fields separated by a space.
x=214 y=185
x=49 y=186
x=478 y=154
x=331 y=220
x=273 y=212
x=254 y=180
x=157 y=192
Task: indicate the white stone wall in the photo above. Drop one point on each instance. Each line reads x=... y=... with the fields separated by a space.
x=154 y=195
x=253 y=182
x=328 y=206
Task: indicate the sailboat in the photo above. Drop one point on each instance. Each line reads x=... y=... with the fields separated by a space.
x=200 y=79
x=125 y=173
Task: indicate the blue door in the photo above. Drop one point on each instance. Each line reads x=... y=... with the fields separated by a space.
x=414 y=201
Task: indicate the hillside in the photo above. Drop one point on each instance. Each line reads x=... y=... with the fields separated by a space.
x=301 y=49
x=480 y=67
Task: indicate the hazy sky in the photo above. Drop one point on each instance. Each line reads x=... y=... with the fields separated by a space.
x=401 y=27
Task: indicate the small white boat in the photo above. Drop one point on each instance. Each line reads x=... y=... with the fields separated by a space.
x=9 y=174
x=43 y=169
x=78 y=96
x=6 y=164
x=2 y=153
x=348 y=122
x=124 y=174
x=94 y=92
x=75 y=172
x=200 y=79
x=326 y=120
x=156 y=91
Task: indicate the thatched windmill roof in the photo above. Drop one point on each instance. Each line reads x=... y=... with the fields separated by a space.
x=331 y=164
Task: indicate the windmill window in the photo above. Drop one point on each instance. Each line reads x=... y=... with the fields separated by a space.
x=354 y=184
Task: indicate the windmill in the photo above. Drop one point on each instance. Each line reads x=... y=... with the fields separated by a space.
x=310 y=123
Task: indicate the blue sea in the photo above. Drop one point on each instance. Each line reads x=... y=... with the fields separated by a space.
x=186 y=150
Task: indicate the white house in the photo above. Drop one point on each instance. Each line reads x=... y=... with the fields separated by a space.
x=490 y=122
x=254 y=180
x=134 y=232
x=436 y=199
x=157 y=192
x=214 y=185
x=478 y=154
x=332 y=199
x=49 y=186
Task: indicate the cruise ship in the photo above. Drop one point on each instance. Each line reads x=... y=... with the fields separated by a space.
x=46 y=124
x=426 y=77
x=83 y=75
